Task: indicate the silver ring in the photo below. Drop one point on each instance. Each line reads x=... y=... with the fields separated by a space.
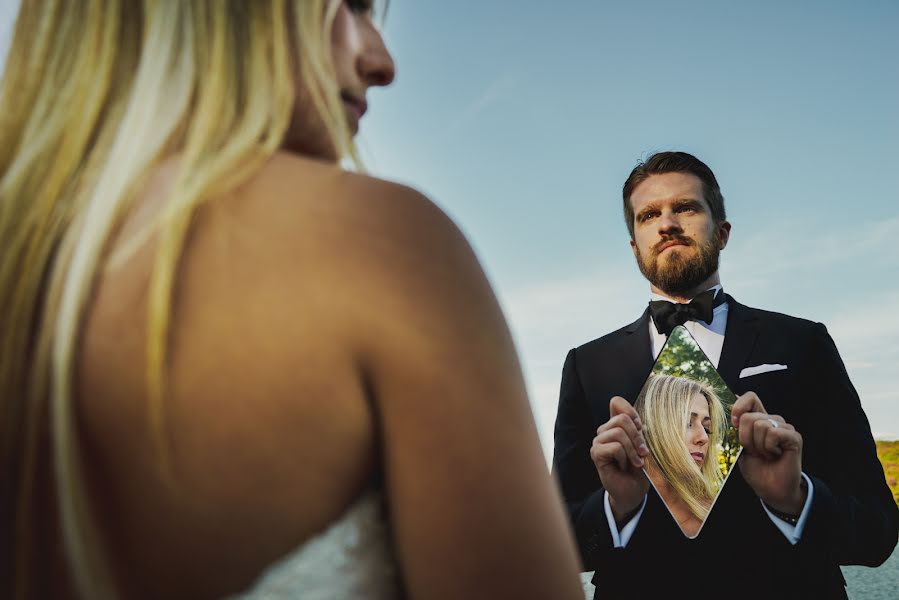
x=773 y=423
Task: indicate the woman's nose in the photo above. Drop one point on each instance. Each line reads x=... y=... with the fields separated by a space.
x=700 y=437
x=375 y=65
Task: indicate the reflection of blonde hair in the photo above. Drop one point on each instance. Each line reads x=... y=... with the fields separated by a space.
x=94 y=94
x=664 y=409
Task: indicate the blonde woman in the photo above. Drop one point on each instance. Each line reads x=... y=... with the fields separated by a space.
x=684 y=423
x=225 y=360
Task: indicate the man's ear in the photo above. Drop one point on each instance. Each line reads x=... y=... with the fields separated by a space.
x=723 y=233
x=634 y=246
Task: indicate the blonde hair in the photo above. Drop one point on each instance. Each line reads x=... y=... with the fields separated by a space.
x=95 y=94
x=664 y=408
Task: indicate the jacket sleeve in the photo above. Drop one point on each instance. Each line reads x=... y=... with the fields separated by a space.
x=572 y=465
x=853 y=516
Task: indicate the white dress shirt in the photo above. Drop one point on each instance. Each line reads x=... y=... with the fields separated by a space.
x=710 y=337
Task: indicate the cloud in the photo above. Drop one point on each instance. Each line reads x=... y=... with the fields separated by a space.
x=804 y=269
x=774 y=256
x=549 y=317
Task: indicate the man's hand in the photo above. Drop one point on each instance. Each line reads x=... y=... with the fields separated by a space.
x=771 y=461
x=618 y=450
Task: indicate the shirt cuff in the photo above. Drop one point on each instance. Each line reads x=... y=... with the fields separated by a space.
x=620 y=540
x=792 y=532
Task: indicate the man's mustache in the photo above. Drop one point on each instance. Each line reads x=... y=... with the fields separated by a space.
x=680 y=239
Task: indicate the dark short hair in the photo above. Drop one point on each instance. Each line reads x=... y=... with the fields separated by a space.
x=673 y=162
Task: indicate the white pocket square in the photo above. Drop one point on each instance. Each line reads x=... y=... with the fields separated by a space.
x=750 y=371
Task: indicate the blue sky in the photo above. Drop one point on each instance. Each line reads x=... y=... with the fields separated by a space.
x=522 y=121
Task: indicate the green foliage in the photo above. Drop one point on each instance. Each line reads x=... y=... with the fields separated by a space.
x=888 y=453
x=730 y=448
x=682 y=357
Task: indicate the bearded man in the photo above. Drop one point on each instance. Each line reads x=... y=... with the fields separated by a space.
x=809 y=494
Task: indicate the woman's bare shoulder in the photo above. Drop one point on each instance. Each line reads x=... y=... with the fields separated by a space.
x=355 y=234
x=304 y=187
x=301 y=244
x=279 y=282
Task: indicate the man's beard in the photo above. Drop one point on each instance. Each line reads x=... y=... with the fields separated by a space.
x=680 y=275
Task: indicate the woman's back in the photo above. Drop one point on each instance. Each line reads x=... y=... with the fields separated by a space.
x=310 y=304
x=269 y=416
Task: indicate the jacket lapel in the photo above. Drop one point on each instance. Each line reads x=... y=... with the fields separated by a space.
x=636 y=348
x=739 y=340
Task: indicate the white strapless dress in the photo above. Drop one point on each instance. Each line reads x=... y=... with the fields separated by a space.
x=352 y=558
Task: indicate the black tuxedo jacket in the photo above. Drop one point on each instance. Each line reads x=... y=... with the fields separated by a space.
x=739 y=552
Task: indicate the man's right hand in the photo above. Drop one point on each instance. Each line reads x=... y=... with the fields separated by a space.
x=618 y=450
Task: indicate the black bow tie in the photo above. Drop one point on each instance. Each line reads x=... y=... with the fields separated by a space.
x=668 y=315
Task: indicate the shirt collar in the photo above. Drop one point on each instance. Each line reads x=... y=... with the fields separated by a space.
x=655 y=296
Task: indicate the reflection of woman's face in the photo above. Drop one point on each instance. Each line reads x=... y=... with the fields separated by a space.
x=696 y=436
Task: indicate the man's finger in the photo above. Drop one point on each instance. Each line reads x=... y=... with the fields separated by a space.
x=620 y=406
x=765 y=437
x=631 y=428
x=774 y=441
x=781 y=422
x=619 y=436
x=610 y=452
x=789 y=439
x=623 y=421
x=748 y=402
x=745 y=431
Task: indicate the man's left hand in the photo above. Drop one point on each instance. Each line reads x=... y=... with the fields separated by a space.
x=771 y=461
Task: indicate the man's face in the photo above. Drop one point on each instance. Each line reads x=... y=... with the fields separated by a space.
x=676 y=240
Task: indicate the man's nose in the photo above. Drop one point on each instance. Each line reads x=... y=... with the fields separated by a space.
x=669 y=223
